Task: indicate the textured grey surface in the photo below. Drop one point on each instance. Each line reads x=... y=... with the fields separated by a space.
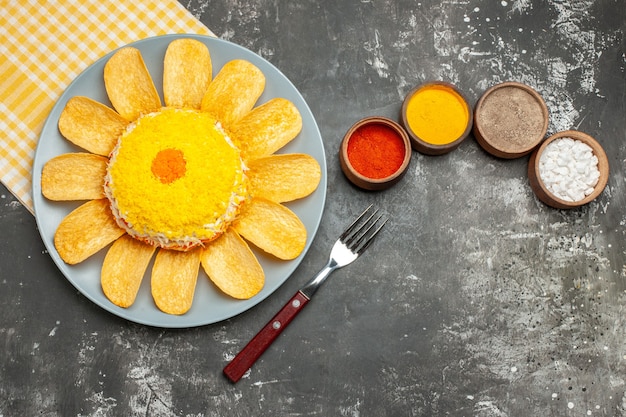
x=477 y=300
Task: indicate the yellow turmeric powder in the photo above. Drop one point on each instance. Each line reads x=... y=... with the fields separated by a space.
x=437 y=114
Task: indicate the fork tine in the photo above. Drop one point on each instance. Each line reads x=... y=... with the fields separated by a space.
x=367 y=237
x=358 y=239
x=350 y=228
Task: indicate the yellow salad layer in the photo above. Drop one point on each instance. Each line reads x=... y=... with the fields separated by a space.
x=175 y=179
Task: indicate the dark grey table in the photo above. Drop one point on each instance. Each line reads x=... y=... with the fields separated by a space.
x=477 y=299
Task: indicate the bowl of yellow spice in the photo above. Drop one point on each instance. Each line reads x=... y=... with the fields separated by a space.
x=437 y=117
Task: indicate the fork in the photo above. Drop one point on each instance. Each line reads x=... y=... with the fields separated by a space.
x=352 y=243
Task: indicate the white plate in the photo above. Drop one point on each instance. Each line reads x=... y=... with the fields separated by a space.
x=209 y=305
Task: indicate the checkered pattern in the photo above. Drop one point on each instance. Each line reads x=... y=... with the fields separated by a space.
x=44 y=45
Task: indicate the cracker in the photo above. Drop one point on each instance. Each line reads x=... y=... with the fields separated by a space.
x=272 y=227
x=129 y=84
x=187 y=72
x=267 y=128
x=282 y=178
x=232 y=267
x=174 y=277
x=233 y=92
x=74 y=176
x=123 y=269
x=85 y=231
x=91 y=125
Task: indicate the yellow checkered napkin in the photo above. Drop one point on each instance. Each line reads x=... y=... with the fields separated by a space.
x=44 y=45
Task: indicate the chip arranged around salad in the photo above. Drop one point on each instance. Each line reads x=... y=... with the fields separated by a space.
x=191 y=182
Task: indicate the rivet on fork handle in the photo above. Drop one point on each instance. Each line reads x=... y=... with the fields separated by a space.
x=350 y=245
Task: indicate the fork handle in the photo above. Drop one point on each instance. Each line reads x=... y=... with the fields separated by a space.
x=264 y=338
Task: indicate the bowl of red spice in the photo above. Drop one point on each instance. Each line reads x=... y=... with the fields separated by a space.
x=375 y=153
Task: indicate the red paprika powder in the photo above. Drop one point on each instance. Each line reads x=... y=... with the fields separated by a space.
x=375 y=151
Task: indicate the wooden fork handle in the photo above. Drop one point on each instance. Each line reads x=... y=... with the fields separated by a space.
x=264 y=338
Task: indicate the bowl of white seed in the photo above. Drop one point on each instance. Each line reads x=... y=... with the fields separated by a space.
x=568 y=170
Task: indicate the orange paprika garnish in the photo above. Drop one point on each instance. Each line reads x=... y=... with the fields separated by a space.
x=169 y=165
